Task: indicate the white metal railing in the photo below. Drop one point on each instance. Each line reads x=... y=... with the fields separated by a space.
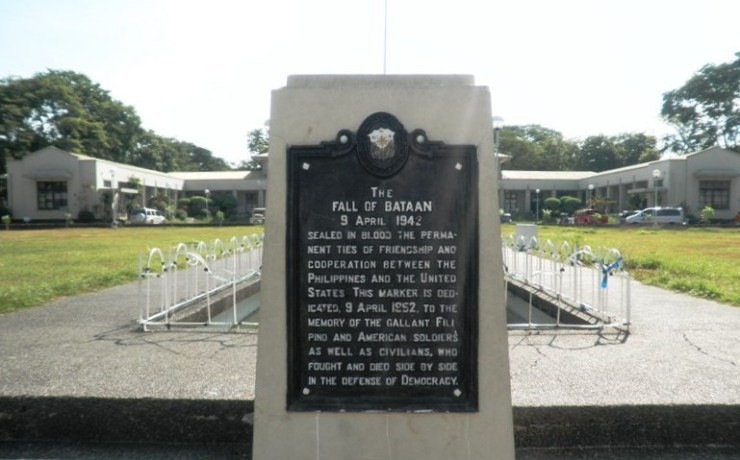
x=590 y=281
x=193 y=273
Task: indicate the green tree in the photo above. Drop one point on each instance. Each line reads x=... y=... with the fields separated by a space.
x=153 y=152
x=533 y=147
x=167 y=154
x=601 y=153
x=68 y=110
x=65 y=109
x=258 y=142
x=705 y=111
x=597 y=153
x=634 y=148
x=559 y=152
x=198 y=159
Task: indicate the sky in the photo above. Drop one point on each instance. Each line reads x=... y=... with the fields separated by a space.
x=203 y=71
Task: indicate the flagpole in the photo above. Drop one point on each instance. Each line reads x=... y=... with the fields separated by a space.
x=385 y=36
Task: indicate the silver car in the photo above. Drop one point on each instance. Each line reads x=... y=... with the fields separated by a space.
x=660 y=216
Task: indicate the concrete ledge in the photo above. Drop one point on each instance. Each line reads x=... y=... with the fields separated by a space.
x=629 y=426
x=220 y=302
x=66 y=419
x=548 y=304
x=125 y=420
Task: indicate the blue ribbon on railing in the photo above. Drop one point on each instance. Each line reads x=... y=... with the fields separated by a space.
x=608 y=268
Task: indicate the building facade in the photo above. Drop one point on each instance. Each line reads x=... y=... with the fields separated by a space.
x=710 y=177
x=50 y=183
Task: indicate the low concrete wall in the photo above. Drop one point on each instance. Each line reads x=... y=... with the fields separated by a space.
x=229 y=421
x=125 y=420
x=547 y=304
x=631 y=426
x=219 y=303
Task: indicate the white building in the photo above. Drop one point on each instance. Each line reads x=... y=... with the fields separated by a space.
x=49 y=183
x=707 y=178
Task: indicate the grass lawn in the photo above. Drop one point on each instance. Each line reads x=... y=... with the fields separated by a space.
x=37 y=266
x=704 y=262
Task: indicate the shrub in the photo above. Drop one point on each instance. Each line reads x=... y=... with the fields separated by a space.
x=523 y=216
x=548 y=216
x=226 y=203
x=199 y=207
x=552 y=203
x=219 y=217
x=6 y=221
x=85 y=215
x=169 y=212
x=159 y=201
x=570 y=204
x=707 y=214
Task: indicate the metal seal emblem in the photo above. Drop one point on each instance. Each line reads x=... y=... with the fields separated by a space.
x=382 y=144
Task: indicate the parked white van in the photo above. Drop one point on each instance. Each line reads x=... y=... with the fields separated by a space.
x=146 y=216
x=659 y=216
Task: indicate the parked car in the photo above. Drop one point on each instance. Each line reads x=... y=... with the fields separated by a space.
x=258 y=218
x=660 y=216
x=622 y=216
x=584 y=216
x=146 y=216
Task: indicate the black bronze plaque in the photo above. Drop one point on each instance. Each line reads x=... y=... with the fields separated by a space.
x=382 y=272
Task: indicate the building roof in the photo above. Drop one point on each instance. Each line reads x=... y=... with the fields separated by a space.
x=212 y=175
x=716 y=147
x=128 y=167
x=545 y=175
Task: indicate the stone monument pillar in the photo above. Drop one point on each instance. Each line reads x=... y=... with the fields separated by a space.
x=383 y=323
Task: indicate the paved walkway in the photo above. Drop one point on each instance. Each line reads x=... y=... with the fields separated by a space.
x=680 y=350
x=91 y=346
x=682 y=355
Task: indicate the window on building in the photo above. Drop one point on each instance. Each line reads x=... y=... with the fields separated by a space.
x=250 y=199
x=51 y=195
x=714 y=193
x=510 y=202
